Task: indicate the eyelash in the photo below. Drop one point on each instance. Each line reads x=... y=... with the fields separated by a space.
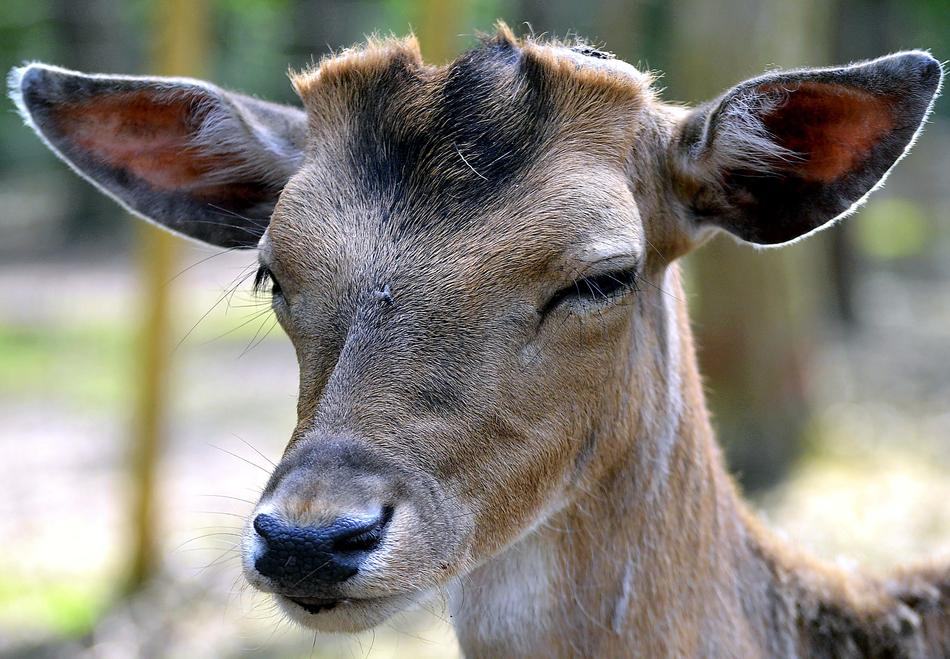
x=599 y=288
x=261 y=278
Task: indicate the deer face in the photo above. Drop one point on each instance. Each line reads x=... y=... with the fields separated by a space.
x=428 y=259
x=457 y=256
x=424 y=351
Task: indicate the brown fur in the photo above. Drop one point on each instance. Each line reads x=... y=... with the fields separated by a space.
x=549 y=455
x=702 y=577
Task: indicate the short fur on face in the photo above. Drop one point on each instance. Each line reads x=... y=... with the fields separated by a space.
x=455 y=191
x=474 y=264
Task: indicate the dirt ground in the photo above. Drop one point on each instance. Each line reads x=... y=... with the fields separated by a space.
x=874 y=486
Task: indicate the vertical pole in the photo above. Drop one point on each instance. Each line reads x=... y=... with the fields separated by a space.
x=179 y=49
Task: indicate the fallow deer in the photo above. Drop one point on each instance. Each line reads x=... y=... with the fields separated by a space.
x=499 y=398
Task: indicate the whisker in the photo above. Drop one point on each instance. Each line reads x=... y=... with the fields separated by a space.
x=253 y=342
x=223 y=558
x=241 y=277
x=204 y=260
x=255 y=316
x=225 y=496
x=239 y=457
x=254 y=448
x=201 y=537
x=261 y=224
x=221 y=512
x=665 y=292
x=260 y=340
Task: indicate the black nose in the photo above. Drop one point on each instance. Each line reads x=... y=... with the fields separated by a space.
x=300 y=558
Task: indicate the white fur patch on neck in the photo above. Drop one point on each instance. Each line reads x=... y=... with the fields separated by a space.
x=507 y=602
x=618 y=621
x=662 y=405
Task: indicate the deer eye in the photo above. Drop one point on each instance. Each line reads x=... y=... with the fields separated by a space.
x=262 y=278
x=600 y=288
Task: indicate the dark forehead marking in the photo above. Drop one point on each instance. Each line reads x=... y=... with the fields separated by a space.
x=434 y=165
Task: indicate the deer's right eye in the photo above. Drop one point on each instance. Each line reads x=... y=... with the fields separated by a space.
x=263 y=277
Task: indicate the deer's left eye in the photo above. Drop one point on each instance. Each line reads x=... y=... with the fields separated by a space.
x=606 y=286
x=594 y=289
x=263 y=277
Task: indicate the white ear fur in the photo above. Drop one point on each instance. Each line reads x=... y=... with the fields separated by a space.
x=735 y=138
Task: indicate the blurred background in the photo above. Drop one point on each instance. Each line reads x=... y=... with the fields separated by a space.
x=144 y=390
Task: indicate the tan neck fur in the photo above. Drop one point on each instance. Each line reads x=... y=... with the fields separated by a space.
x=659 y=557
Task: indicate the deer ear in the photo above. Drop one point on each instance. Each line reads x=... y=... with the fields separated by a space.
x=200 y=161
x=780 y=156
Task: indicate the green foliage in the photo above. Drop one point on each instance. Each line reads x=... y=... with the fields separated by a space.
x=893 y=228
x=64 y=606
x=48 y=360
x=89 y=364
x=265 y=36
x=927 y=25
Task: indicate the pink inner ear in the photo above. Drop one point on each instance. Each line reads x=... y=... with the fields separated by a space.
x=832 y=126
x=139 y=134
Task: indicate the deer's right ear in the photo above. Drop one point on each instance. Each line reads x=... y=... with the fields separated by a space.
x=780 y=156
x=200 y=161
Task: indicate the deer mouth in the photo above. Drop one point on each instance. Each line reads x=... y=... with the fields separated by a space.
x=314 y=605
x=345 y=614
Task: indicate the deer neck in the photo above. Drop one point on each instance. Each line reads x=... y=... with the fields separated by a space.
x=642 y=559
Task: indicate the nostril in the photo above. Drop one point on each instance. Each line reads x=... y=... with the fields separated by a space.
x=366 y=536
x=268 y=527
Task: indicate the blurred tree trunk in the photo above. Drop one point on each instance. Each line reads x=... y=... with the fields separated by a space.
x=322 y=25
x=614 y=25
x=180 y=41
x=862 y=29
x=752 y=311
x=438 y=24
x=619 y=27
x=539 y=14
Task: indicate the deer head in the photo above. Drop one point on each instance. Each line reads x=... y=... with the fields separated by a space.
x=470 y=262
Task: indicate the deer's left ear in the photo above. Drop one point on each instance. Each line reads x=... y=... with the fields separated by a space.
x=787 y=153
x=196 y=159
